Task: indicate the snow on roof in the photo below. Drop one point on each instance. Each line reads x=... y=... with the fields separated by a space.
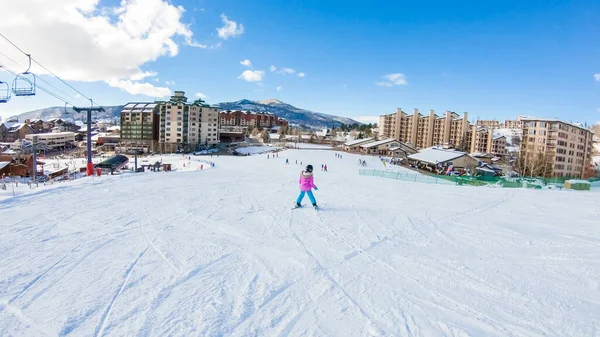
x=578 y=181
x=379 y=142
x=498 y=137
x=113 y=128
x=480 y=154
x=9 y=151
x=3 y=164
x=358 y=141
x=485 y=169
x=434 y=155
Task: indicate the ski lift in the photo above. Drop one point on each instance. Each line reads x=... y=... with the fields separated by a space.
x=4 y=92
x=24 y=83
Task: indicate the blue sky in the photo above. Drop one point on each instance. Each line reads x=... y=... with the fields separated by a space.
x=492 y=59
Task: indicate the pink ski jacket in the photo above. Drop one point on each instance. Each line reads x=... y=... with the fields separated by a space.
x=306 y=181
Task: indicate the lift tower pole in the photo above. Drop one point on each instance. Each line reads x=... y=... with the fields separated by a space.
x=90 y=165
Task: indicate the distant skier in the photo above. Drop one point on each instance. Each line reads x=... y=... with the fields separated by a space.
x=325 y=168
x=287 y=161
x=322 y=167
x=307 y=183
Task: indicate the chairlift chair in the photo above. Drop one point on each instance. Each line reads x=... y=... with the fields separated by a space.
x=24 y=83
x=4 y=92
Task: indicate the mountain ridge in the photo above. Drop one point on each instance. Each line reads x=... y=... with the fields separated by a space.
x=296 y=116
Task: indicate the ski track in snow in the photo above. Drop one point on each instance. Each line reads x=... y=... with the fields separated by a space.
x=219 y=252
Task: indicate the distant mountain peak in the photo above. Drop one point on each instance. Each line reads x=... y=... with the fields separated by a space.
x=271 y=101
x=294 y=115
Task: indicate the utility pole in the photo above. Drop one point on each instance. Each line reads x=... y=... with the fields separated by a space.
x=34 y=149
x=90 y=165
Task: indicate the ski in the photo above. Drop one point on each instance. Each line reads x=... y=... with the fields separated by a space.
x=295 y=206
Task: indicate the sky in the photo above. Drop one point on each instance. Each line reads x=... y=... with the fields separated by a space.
x=492 y=59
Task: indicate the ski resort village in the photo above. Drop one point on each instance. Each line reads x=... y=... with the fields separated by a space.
x=426 y=169
x=188 y=222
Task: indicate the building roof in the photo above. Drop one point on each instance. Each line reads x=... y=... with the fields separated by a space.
x=358 y=141
x=66 y=133
x=434 y=155
x=4 y=164
x=552 y=120
x=139 y=107
x=379 y=142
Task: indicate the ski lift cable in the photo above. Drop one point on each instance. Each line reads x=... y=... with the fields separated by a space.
x=39 y=78
x=53 y=74
x=49 y=92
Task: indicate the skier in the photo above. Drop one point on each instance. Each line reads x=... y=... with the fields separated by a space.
x=307 y=183
x=322 y=167
x=325 y=168
x=286 y=161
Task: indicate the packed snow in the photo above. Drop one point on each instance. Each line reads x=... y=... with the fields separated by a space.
x=220 y=252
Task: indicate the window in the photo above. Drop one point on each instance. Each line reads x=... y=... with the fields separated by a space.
x=178 y=123
x=178 y=118
x=532 y=124
x=168 y=135
x=542 y=124
x=178 y=129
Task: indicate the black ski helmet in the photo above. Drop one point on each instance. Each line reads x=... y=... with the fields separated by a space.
x=309 y=168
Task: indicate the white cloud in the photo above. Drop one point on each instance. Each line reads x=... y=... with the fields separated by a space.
x=169 y=82
x=246 y=63
x=392 y=80
x=279 y=88
x=141 y=75
x=597 y=77
x=230 y=28
x=287 y=71
x=367 y=119
x=81 y=40
x=252 y=75
x=137 y=88
x=157 y=79
x=201 y=95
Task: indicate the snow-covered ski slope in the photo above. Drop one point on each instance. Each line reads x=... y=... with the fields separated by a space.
x=220 y=253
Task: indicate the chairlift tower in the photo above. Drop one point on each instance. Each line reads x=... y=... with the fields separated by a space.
x=90 y=165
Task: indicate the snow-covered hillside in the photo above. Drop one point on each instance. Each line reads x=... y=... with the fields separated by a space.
x=219 y=252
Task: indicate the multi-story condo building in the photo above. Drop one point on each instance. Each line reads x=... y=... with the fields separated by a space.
x=513 y=124
x=244 y=119
x=507 y=124
x=565 y=148
x=422 y=131
x=482 y=140
x=11 y=131
x=139 y=126
x=187 y=126
x=54 y=140
x=491 y=123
